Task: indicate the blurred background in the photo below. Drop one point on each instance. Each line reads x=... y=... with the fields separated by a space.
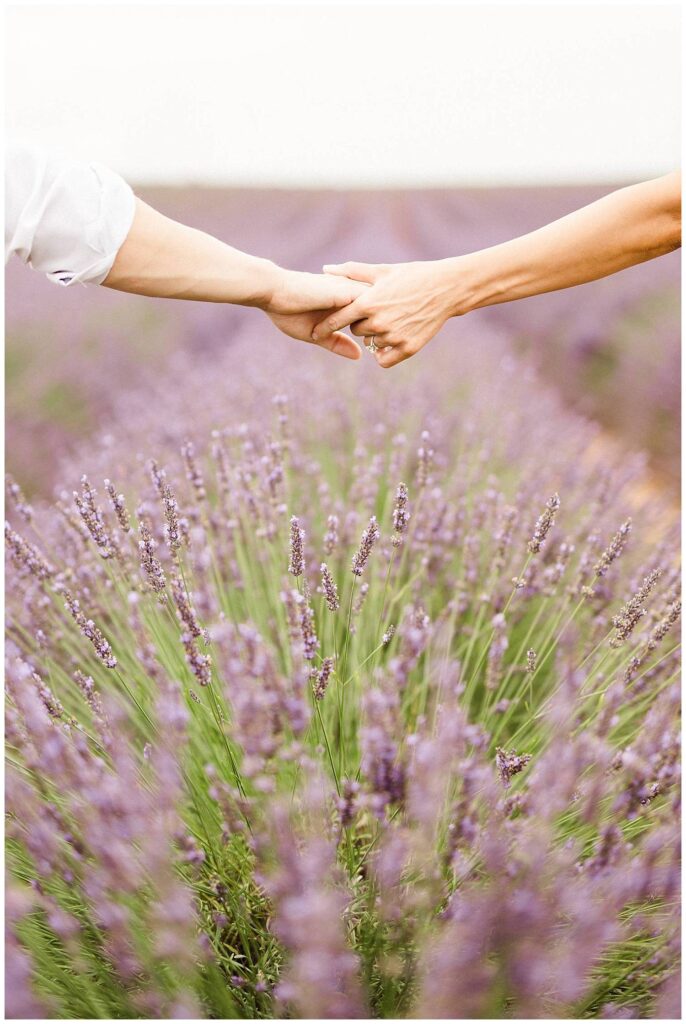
x=323 y=132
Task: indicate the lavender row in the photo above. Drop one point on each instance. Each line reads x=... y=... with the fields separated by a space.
x=343 y=699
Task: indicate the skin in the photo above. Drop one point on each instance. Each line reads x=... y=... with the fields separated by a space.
x=163 y=258
x=408 y=303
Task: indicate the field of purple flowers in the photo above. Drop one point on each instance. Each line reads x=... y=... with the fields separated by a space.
x=332 y=692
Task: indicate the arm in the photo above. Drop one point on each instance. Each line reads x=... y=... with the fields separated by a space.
x=408 y=303
x=622 y=229
x=163 y=258
x=80 y=223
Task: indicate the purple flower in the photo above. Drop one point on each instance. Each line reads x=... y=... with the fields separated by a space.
x=321 y=679
x=510 y=763
x=330 y=589
x=90 y=631
x=152 y=568
x=93 y=519
x=296 y=565
x=369 y=539
x=401 y=514
x=544 y=524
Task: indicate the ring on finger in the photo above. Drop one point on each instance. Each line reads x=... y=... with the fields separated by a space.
x=371 y=345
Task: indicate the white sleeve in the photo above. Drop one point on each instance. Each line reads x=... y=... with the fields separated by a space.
x=65 y=219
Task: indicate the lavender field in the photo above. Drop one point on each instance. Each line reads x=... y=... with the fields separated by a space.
x=335 y=692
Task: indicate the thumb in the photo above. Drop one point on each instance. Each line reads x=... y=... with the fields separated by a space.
x=367 y=272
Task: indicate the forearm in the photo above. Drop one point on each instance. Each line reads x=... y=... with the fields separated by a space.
x=408 y=303
x=627 y=227
x=161 y=257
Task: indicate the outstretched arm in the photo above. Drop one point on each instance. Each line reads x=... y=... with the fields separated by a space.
x=161 y=257
x=80 y=223
x=408 y=303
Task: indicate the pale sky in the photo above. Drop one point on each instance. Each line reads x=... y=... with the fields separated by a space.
x=350 y=95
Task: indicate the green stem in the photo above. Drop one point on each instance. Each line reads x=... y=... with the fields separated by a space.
x=328 y=746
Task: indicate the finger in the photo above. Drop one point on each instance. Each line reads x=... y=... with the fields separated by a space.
x=367 y=272
x=338 y=320
x=340 y=345
x=350 y=290
x=363 y=329
x=389 y=356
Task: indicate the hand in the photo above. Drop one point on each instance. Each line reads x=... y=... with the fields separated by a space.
x=406 y=305
x=299 y=301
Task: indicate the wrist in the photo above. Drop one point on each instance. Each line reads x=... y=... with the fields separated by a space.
x=457 y=285
x=483 y=278
x=269 y=280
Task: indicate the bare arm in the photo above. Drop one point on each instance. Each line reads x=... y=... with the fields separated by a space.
x=629 y=226
x=163 y=258
x=408 y=303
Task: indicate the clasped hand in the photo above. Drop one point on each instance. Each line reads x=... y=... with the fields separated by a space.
x=401 y=306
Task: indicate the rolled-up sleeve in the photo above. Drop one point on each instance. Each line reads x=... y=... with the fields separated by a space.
x=66 y=219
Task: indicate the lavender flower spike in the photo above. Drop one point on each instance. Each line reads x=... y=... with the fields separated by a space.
x=369 y=539
x=425 y=455
x=93 y=518
x=510 y=763
x=172 y=530
x=633 y=610
x=613 y=550
x=544 y=524
x=322 y=678
x=296 y=565
x=664 y=625
x=193 y=472
x=307 y=627
x=91 y=631
x=401 y=515
x=331 y=535
x=330 y=589
x=26 y=556
x=18 y=499
x=185 y=611
x=119 y=505
x=154 y=573
x=388 y=635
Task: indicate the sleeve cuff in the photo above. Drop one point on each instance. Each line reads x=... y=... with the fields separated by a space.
x=106 y=234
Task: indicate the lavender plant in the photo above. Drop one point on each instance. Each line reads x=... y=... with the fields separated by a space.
x=376 y=717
